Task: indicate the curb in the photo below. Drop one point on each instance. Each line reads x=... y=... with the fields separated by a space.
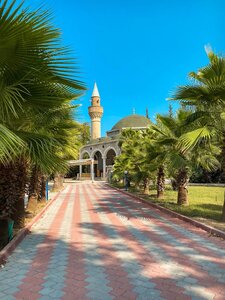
x=209 y=229
x=8 y=249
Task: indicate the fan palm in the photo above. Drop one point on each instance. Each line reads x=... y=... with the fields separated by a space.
x=133 y=158
x=155 y=157
x=35 y=77
x=178 y=160
x=206 y=97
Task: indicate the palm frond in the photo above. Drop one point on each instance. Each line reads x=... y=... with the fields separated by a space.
x=190 y=139
x=10 y=144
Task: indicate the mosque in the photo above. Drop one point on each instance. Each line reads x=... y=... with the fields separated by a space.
x=98 y=155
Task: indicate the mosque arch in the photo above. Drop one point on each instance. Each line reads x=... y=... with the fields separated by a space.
x=109 y=148
x=98 y=166
x=110 y=155
x=94 y=152
x=85 y=170
x=85 y=155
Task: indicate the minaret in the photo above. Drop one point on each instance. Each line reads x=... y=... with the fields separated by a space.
x=95 y=112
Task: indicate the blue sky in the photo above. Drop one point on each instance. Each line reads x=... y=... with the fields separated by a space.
x=137 y=51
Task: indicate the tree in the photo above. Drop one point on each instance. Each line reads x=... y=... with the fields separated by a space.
x=35 y=80
x=155 y=158
x=84 y=133
x=133 y=158
x=206 y=97
x=178 y=160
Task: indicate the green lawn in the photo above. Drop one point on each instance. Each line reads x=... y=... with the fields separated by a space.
x=205 y=203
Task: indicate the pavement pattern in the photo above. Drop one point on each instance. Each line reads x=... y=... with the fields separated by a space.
x=94 y=242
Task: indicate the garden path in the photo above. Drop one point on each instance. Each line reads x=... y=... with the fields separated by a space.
x=94 y=242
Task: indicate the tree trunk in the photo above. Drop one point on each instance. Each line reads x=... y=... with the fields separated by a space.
x=32 y=203
x=34 y=188
x=160 y=182
x=223 y=159
x=182 y=182
x=18 y=215
x=58 y=183
x=146 y=186
x=43 y=189
x=13 y=179
x=8 y=178
x=223 y=211
x=3 y=232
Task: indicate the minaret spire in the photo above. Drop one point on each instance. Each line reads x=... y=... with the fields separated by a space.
x=95 y=112
x=95 y=92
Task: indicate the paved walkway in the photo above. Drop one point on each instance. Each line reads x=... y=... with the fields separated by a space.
x=96 y=243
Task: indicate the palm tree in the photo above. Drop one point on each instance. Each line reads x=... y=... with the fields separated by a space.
x=133 y=158
x=179 y=161
x=155 y=158
x=35 y=77
x=206 y=98
x=160 y=182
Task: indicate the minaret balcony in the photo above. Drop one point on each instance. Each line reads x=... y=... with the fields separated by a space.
x=95 y=111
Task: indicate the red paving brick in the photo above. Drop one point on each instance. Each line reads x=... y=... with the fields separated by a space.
x=96 y=243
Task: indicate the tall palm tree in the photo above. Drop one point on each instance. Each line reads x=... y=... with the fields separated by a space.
x=35 y=77
x=205 y=95
x=133 y=158
x=180 y=161
x=155 y=157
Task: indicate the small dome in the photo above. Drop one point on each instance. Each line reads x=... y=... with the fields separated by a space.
x=132 y=121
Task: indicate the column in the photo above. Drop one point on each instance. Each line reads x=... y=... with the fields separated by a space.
x=92 y=170
x=80 y=171
x=104 y=166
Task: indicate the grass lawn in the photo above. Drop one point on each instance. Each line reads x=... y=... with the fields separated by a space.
x=205 y=203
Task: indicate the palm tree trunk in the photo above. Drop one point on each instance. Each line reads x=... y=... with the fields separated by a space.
x=160 y=182
x=223 y=159
x=13 y=179
x=18 y=215
x=43 y=189
x=7 y=180
x=34 y=188
x=58 y=183
x=146 y=186
x=223 y=211
x=3 y=232
x=182 y=182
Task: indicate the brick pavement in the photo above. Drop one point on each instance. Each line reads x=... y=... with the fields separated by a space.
x=95 y=243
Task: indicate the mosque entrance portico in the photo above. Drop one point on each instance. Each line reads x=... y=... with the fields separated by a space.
x=87 y=164
x=103 y=154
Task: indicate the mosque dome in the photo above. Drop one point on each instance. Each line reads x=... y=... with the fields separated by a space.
x=132 y=121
